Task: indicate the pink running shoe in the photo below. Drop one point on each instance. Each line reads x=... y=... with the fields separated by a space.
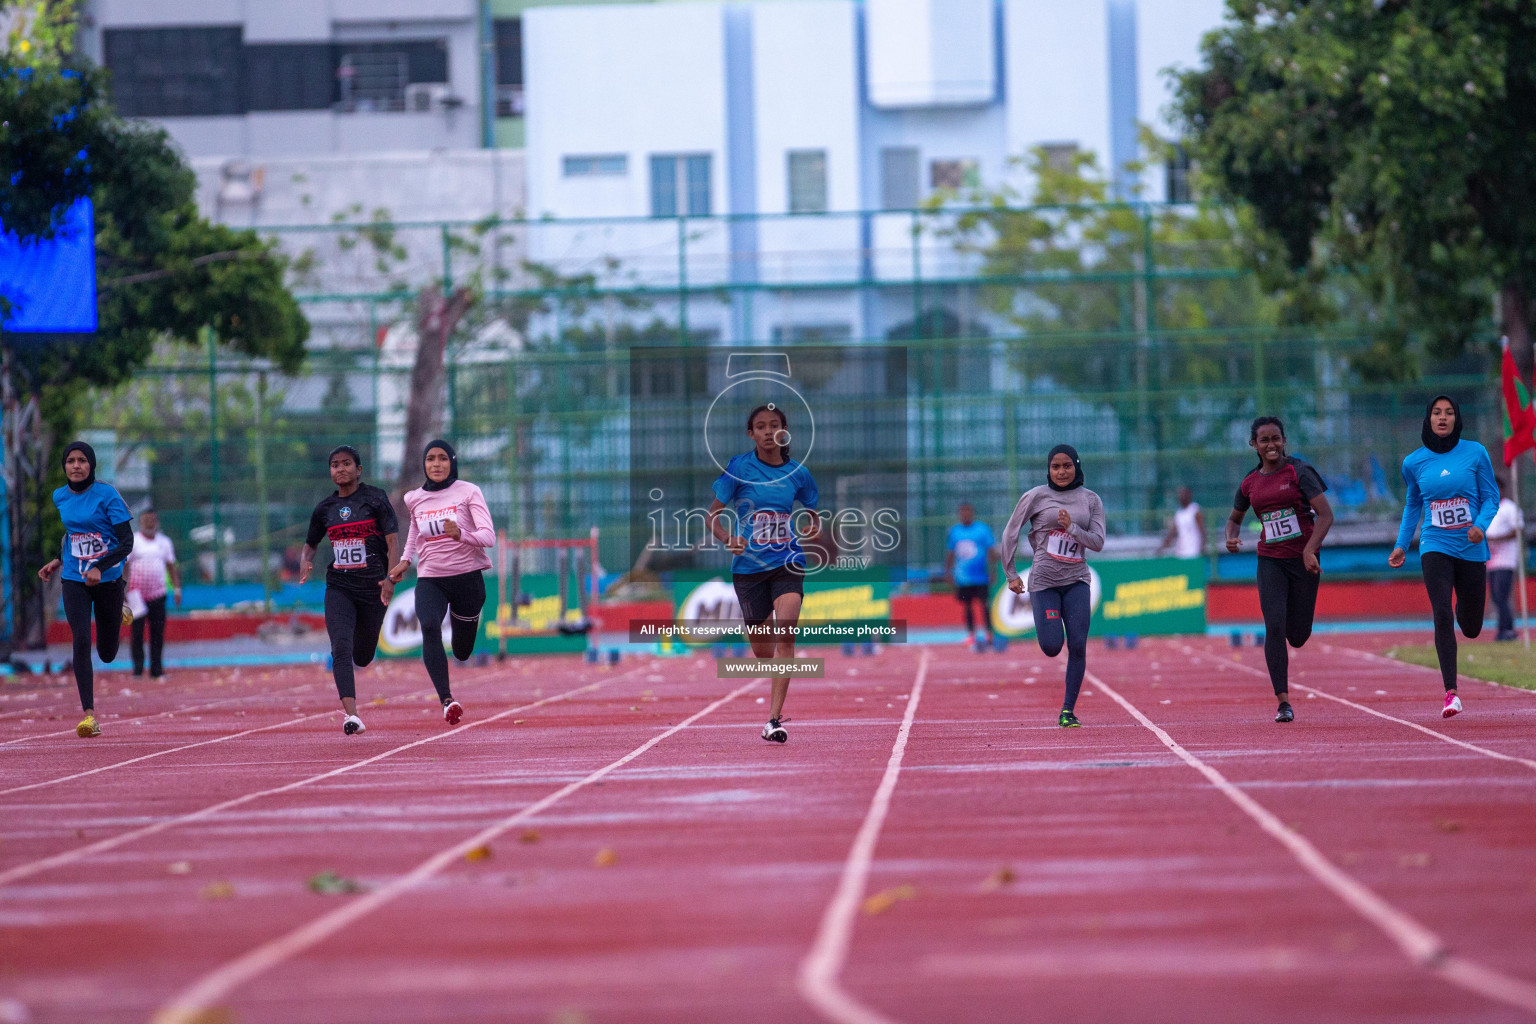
x=1452 y=706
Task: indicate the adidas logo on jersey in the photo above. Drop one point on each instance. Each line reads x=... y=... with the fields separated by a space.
x=1445 y=472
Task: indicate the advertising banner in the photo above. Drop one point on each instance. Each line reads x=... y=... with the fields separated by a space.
x=1148 y=597
x=537 y=630
x=842 y=598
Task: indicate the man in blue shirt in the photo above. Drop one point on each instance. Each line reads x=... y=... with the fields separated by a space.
x=970 y=549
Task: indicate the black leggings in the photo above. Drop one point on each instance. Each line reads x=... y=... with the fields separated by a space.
x=1288 y=598
x=353 y=621
x=460 y=596
x=1445 y=576
x=106 y=601
x=1062 y=614
x=155 y=618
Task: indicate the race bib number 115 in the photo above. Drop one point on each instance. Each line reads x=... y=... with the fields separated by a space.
x=1280 y=525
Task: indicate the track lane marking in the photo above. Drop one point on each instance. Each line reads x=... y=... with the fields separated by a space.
x=190 y=1005
x=1426 y=730
x=1369 y=656
x=817 y=978
x=30 y=868
x=162 y=714
x=161 y=753
x=1418 y=943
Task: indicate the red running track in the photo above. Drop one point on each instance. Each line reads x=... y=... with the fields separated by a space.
x=650 y=859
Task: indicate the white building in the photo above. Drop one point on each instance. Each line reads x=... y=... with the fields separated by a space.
x=289 y=78
x=788 y=135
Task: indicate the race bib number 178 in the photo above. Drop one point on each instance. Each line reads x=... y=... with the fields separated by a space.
x=87 y=545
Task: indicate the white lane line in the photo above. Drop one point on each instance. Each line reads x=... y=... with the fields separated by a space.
x=30 y=868
x=190 y=1005
x=257 y=695
x=1420 y=945
x=1371 y=711
x=1394 y=663
x=161 y=753
x=818 y=976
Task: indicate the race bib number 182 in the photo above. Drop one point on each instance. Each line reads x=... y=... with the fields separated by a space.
x=350 y=553
x=1450 y=513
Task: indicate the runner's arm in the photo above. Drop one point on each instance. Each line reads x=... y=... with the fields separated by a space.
x=483 y=533
x=1010 y=545
x=1091 y=537
x=123 y=533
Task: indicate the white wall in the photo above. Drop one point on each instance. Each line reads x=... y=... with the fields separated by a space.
x=926 y=53
x=1057 y=77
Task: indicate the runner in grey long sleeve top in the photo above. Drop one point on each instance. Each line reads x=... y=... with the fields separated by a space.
x=1065 y=519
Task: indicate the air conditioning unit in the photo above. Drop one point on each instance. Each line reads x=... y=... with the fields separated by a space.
x=422 y=97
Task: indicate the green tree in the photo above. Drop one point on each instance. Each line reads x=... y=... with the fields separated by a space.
x=1393 y=139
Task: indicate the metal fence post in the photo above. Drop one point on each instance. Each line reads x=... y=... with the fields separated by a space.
x=213 y=448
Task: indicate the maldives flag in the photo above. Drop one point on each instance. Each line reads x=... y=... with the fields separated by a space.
x=1519 y=418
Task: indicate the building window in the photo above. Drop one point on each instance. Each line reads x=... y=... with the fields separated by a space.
x=175 y=72
x=614 y=165
x=900 y=182
x=509 y=67
x=1178 y=176
x=680 y=186
x=812 y=332
x=954 y=175
x=807 y=181
x=290 y=76
x=1060 y=156
x=374 y=76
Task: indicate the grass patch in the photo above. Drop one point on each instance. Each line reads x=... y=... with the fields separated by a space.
x=1508 y=663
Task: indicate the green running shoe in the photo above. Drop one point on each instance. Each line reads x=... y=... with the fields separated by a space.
x=1067 y=720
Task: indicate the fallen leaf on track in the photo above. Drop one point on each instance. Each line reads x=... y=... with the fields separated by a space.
x=880 y=902
x=529 y=836
x=479 y=853
x=378 y=702
x=606 y=858
x=1447 y=825
x=329 y=883
x=999 y=878
x=216 y=891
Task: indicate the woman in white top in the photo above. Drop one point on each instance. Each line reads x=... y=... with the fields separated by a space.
x=1504 y=545
x=152 y=557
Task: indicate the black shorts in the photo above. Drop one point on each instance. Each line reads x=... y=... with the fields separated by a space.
x=756 y=591
x=971 y=592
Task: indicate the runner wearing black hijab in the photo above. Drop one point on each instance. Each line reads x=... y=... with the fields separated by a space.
x=1451 y=487
x=98 y=534
x=1065 y=520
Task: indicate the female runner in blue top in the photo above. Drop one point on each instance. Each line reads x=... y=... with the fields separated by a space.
x=98 y=534
x=761 y=488
x=1452 y=488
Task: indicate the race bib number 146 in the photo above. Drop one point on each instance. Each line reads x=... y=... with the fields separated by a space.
x=350 y=553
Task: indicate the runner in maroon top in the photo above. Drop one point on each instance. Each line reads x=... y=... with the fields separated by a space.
x=1287 y=496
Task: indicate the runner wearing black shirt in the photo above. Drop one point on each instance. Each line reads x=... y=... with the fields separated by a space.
x=360 y=522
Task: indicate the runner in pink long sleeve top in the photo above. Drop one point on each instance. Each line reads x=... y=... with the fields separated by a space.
x=450 y=530
x=434 y=552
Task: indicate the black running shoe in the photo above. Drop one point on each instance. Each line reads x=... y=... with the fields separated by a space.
x=1067 y=720
x=774 y=732
x=1285 y=714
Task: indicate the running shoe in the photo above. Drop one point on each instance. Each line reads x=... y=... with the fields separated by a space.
x=452 y=712
x=1285 y=714
x=1452 y=706
x=127 y=615
x=774 y=732
x=88 y=727
x=353 y=725
x=1067 y=720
